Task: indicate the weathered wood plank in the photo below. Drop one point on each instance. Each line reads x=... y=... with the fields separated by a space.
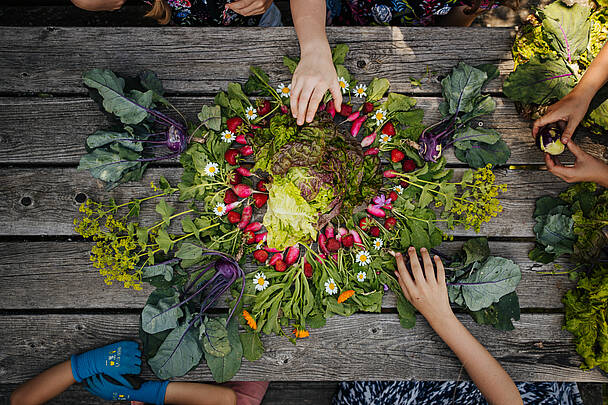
x=303 y=393
x=345 y=349
x=203 y=60
x=44 y=201
x=53 y=130
x=58 y=275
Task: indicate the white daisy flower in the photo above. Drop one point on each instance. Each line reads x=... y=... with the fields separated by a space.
x=284 y=91
x=378 y=243
x=259 y=245
x=343 y=84
x=398 y=189
x=360 y=90
x=220 y=209
x=251 y=113
x=384 y=138
x=361 y=276
x=330 y=287
x=260 y=282
x=363 y=258
x=211 y=169
x=228 y=136
x=379 y=116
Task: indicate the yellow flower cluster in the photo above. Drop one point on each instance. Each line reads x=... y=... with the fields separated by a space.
x=479 y=202
x=115 y=253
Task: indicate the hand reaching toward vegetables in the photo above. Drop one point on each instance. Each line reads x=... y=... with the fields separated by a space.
x=99 y=5
x=249 y=7
x=427 y=291
x=571 y=109
x=586 y=167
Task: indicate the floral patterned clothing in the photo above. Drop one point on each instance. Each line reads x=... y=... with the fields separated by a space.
x=392 y=12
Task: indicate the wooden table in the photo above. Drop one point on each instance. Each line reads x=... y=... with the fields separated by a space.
x=54 y=303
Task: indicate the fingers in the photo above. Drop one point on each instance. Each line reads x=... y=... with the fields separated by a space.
x=440 y=271
x=557 y=169
x=542 y=121
x=576 y=150
x=415 y=265
x=406 y=293
x=316 y=98
x=294 y=96
x=303 y=102
x=404 y=275
x=336 y=93
x=429 y=270
x=121 y=380
x=569 y=131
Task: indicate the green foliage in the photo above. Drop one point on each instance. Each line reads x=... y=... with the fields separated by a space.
x=157 y=315
x=179 y=353
x=223 y=368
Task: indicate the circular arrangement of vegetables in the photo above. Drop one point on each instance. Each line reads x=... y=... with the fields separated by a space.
x=318 y=209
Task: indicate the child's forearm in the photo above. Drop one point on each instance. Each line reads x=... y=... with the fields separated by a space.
x=595 y=76
x=45 y=386
x=489 y=376
x=180 y=393
x=309 y=23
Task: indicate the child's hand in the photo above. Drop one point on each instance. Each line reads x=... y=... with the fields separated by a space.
x=249 y=7
x=426 y=291
x=586 y=167
x=314 y=75
x=99 y=5
x=113 y=360
x=572 y=109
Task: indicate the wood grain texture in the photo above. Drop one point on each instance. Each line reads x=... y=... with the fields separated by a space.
x=53 y=130
x=201 y=60
x=43 y=201
x=58 y=275
x=345 y=349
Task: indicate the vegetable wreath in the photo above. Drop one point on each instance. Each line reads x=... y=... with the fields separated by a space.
x=318 y=209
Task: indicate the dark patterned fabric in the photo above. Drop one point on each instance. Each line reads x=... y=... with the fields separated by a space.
x=448 y=392
x=392 y=12
x=207 y=13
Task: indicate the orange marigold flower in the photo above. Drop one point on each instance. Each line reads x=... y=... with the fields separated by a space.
x=250 y=320
x=301 y=333
x=345 y=295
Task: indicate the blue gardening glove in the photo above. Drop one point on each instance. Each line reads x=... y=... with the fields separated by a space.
x=113 y=360
x=152 y=392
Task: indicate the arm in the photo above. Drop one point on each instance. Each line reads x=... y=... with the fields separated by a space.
x=428 y=293
x=585 y=168
x=99 y=5
x=249 y=7
x=181 y=393
x=45 y=386
x=315 y=73
x=573 y=107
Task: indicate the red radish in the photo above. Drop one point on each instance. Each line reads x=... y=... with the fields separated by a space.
x=241 y=139
x=397 y=155
x=253 y=227
x=260 y=255
x=321 y=258
x=388 y=129
x=368 y=107
x=255 y=126
x=243 y=190
x=348 y=241
x=371 y=152
x=284 y=109
x=356 y=127
x=230 y=155
x=245 y=217
x=272 y=250
x=357 y=238
x=374 y=231
x=280 y=265
x=341 y=232
x=365 y=223
x=353 y=116
x=259 y=200
x=334 y=257
x=244 y=172
x=404 y=183
x=275 y=258
x=235 y=178
x=249 y=238
x=308 y=270
x=333 y=245
x=246 y=150
x=321 y=107
x=389 y=174
x=232 y=206
x=293 y=253
x=263 y=107
x=322 y=243
x=230 y=197
x=346 y=110
x=331 y=108
x=234 y=217
x=388 y=206
x=329 y=231
x=233 y=124
x=260 y=237
x=390 y=223
x=368 y=140
x=376 y=211
x=408 y=165
x=393 y=196
x=261 y=186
